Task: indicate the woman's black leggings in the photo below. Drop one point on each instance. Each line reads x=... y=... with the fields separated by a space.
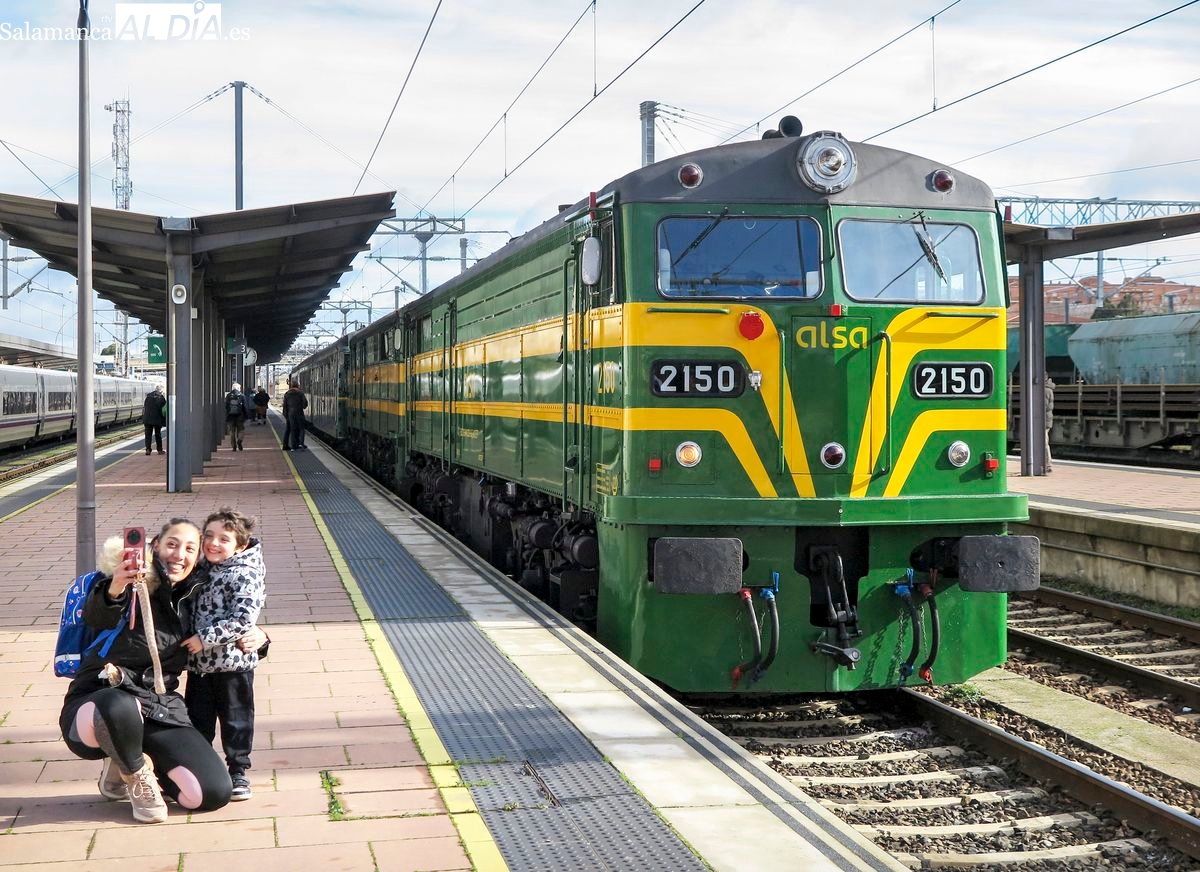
x=188 y=768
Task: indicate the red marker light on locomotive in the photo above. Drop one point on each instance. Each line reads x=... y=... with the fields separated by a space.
x=751 y=325
x=942 y=181
x=991 y=464
x=690 y=175
x=654 y=464
x=836 y=310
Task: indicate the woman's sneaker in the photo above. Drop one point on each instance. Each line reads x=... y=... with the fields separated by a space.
x=144 y=796
x=111 y=785
x=241 y=787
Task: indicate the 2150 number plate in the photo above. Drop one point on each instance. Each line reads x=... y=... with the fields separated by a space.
x=931 y=381
x=696 y=378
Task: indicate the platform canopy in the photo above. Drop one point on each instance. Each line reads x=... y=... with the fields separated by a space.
x=264 y=269
x=19 y=351
x=1052 y=242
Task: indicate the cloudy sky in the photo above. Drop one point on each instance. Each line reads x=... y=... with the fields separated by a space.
x=332 y=72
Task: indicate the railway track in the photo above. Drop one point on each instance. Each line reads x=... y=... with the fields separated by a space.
x=1143 y=663
x=938 y=787
x=17 y=464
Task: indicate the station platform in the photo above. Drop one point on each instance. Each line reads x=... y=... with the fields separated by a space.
x=1133 y=491
x=416 y=712
x=1131 y=530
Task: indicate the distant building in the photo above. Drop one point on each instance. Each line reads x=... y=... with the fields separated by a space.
x=1073 y=302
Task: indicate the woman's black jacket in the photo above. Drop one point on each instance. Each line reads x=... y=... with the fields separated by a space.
x=172 y=606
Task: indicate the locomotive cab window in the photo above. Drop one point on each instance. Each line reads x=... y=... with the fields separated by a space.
x=915 y=261
x=738 y=256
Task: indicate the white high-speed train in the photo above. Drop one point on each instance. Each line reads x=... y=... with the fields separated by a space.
x=37 y=404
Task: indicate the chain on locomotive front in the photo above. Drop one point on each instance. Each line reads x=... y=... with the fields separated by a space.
x=757 y=434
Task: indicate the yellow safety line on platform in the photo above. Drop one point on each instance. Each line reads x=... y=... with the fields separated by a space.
x=477 y=840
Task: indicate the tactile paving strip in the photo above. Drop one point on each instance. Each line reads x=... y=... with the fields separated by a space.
x=577 y=813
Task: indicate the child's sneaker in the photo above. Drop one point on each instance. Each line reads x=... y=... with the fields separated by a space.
x=111 y=785
x=241 y=787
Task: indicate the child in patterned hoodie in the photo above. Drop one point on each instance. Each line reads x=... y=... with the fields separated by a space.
x=220 y=683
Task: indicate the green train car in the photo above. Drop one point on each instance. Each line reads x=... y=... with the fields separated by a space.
x=741 y=412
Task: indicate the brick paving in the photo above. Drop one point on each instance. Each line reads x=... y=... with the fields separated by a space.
x=1164 y=490
x=323 y=704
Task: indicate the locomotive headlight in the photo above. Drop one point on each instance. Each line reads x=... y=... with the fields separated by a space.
x=688 y=454
x=959 y=453
x=833 y=455
x=826 y=162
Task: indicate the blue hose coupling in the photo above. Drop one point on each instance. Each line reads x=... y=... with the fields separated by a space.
x=766 y=593
x=906 y=671
x=903 y=591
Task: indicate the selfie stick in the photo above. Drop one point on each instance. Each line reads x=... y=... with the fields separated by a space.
x=143 y=598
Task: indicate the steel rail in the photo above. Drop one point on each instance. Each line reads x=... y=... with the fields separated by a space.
x=1156 y=684
x=1145 y=813
x=14 y=473
x=1137 y=618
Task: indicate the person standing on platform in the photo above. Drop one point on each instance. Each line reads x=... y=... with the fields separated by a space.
x=220 y=684
x=261 y=400
x=237 y=409
x=294 y=404
x=1049 y=394
x=154 y=416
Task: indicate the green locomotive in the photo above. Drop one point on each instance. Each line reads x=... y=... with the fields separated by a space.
x=742 y=412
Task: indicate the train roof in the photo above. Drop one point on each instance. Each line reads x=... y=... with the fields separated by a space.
x=766 y=171
x=761 y=171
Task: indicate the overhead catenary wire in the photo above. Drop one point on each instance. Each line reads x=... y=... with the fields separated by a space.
x=205 y=99
x=286 y=114
x=407 y=76
x=581 y=109
x=28 y=167
x=502 y=117
x=1033 y=69
x=846 y=69
x=1157 y=166
x=1077 y=121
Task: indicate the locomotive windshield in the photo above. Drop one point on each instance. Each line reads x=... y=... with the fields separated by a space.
x=910 y=261
x=739 y=256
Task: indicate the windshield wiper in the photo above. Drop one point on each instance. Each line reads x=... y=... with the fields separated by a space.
x=701 y=236
x=928 y=248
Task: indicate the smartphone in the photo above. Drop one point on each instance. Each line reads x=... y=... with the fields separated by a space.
x=135 y=543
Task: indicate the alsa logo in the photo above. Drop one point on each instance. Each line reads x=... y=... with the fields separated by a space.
x=837 y=336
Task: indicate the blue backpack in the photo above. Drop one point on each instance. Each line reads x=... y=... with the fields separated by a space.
x=75 y=638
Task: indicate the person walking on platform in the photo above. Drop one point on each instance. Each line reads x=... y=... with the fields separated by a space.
x=113 y=711
x=1049 y=394
x=261 y=400
x=154 y=416
x=237 y=410
x=294 y=404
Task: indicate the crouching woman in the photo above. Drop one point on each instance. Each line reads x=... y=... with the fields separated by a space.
x=112 y=710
